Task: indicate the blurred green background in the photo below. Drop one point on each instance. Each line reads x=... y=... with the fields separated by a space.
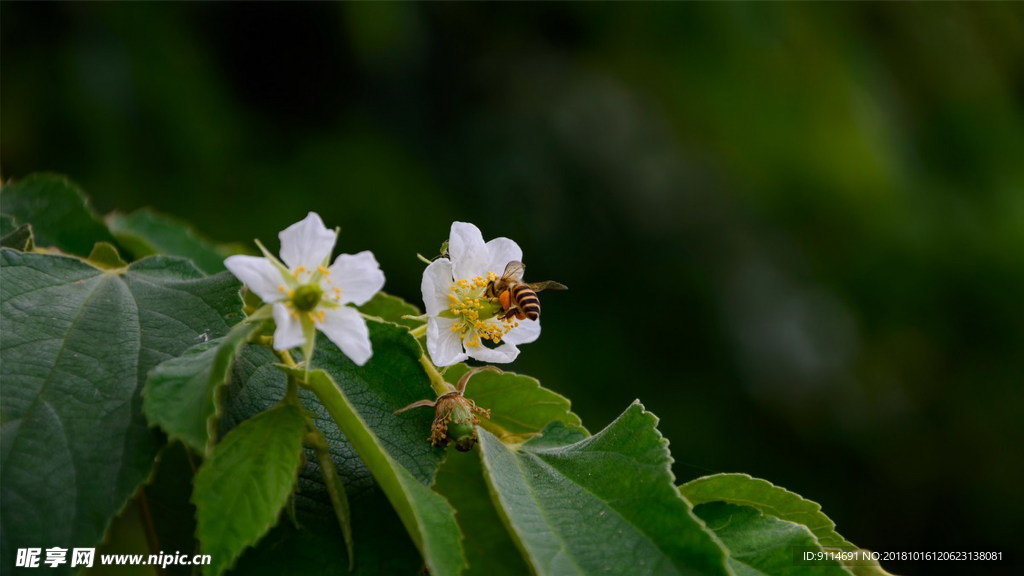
x=794 y=231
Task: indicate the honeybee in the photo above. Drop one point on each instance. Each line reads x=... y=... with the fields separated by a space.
x=518 y=298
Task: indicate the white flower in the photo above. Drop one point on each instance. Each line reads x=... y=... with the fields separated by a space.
x=462 y=321
x=307 y=295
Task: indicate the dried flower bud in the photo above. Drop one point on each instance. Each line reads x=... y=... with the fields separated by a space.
x=455 y=420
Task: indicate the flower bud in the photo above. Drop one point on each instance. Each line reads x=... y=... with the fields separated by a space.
x=455 y=421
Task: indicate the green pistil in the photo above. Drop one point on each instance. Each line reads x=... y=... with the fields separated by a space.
x=306 y=297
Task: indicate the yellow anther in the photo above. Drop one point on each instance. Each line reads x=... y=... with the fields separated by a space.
x=323 y=270
x=468 y=305
x=281 y=288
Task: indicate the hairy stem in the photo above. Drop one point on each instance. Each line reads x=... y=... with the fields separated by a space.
x=291 y=395
x=418 y=332
x=437 y=381
x=339 y=499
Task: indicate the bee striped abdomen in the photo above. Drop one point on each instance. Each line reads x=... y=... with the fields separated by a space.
x=527 y=301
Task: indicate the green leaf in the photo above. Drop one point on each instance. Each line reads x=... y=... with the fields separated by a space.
x=428 y=518
x=391 y=309
x=336 y=490
x=160 y=518
x=768 y=499
x=776 y=502
x=490 y=550
x=104 y=255
x=619 y=485
x=314 y=546
x=392 y=378
x=76 y=345
x=761 y=545
x=520 y=406
x=19 y=238
x=168 y=498
x=180 y=394
x=126 y=536
x=145 y=232
x=7 y=223
x=58 y=211
x=241 y=489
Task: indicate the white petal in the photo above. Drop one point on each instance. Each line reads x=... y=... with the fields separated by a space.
x=289 y=330
x=436 y=286
x=444 y=346
x=507 y=352
x=526 y=332
x=468 y=252
x=500 y=252
x=307 y=243
x=358 y=275
x=259 y=275
x=346 y=328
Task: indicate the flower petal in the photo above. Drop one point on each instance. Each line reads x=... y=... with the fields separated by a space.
x=289 y=329
x=358 y=275
x=307 y=243
x=346 y=328
x=507 y=352
x=468 y=252
x=259 y=275
x=444 y=346
x=526 y=332
x=436 y=286
x=501 y=251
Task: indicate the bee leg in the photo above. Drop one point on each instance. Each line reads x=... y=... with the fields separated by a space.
x=512 y=311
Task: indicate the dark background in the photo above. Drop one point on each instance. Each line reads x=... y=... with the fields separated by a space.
x=795 y=232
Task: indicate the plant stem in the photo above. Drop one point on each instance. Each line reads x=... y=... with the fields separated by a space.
x=147 y=521
x=291 y=395
x=418 y=332
x=437 y=381
x=335 y=488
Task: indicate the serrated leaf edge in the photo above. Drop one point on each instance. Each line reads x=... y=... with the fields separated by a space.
x=653 y=419
x=262 y=531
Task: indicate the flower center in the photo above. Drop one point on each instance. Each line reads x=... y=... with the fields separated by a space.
x=309 y=299
x=306 y=297
x=475 y=314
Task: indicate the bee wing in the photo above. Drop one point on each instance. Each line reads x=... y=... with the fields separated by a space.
x=547 y=285
x=514 y=271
